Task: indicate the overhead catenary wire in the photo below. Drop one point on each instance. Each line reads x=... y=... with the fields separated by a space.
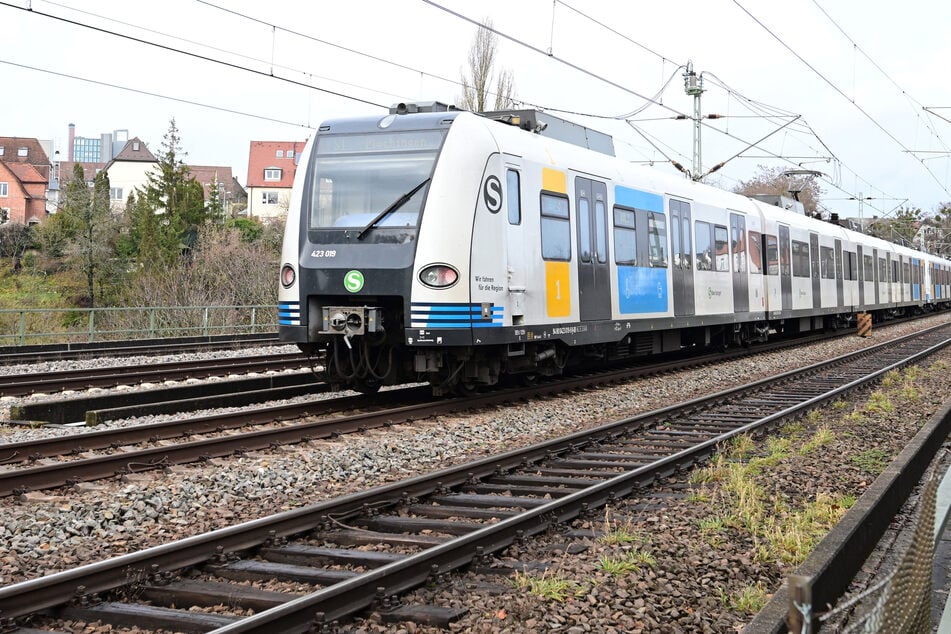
x=172 y=49
x=571 y=65
x=153 y=94
x=648 y=100
x=838 y=90
x=904 y=93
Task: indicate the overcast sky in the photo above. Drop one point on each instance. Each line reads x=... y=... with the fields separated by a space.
x=857 y=74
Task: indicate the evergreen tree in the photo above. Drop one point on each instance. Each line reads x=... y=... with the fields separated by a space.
x=193 y=214
x=176 y=196
x=216 y=207
x=146 y=233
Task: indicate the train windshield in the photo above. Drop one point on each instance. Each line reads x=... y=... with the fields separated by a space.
x=359 y=176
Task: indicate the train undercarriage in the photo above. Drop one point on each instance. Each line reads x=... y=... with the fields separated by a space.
x=368 y=361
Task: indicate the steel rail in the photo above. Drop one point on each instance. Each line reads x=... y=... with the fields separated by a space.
x=349 y=596
x=168 y=345
x=22 y=480
x=11 y=453
x=18 y=385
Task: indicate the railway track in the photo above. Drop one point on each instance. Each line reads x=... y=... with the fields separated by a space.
x=367 y=548
x=169 y=345
x=19 y=385
x=54 y=462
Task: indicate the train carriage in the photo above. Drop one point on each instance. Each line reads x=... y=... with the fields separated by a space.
x=457 y=248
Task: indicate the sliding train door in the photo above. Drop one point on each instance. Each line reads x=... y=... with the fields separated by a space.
x=681 y=253
x=594 y=271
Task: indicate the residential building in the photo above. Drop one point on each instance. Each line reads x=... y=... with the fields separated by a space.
x=271 y=169
x=234 y=199
x=128 y=170
x=22 y=194
x=24 y=178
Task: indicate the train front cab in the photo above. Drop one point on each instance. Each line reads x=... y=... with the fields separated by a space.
x=351 y=241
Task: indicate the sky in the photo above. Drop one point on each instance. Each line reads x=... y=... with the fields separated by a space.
x=855 y=90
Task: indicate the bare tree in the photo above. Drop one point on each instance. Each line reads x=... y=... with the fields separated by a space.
x=771 y=181
x=476 y=85
x=15 y=239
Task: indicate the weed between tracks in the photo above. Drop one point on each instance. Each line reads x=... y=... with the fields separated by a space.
x=739 y=483
x=768 y=502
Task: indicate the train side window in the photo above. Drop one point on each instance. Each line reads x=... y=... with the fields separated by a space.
x=721 y=247
x=868 y=266
x=800 y=259
x=625 y=236
x=738 y=242
x=703 y=243
x=851 y=266
x=601 y=230
x=514 y=196
x=556 y=235
x=772 y=255
x=657 y=239
x=756 y=252
x=827 y=263
x=584 y=230
x=882 y=270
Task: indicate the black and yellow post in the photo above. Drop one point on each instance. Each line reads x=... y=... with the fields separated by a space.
x=865 y=324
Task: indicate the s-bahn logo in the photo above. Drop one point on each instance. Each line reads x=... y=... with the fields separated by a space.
x=492 y=194
x=353 y=281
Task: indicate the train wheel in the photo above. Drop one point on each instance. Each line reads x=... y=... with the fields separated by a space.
x=367 y=386
x=529 y=379
x=464 y=388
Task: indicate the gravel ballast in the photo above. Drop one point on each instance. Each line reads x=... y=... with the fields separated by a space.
x=688 y=589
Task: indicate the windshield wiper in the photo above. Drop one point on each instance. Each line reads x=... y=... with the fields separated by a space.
x=396 y=204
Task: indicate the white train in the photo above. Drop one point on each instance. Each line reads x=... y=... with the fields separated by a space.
x=457 y=248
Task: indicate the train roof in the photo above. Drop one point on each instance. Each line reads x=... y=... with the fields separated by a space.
x=535 y=123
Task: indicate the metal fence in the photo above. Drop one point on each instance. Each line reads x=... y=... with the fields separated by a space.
x=19 y=327
x=901 y=602
x=898 y=603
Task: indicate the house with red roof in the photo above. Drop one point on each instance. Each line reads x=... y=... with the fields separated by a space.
x=271 y=169
x=24 y=180
x=234 y=198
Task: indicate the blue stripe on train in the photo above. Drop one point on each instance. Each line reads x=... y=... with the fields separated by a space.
x=288 y=313
x=637 y=199
x=454 y=316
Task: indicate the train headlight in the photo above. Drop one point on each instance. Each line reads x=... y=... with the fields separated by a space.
x=288 y=276
x=438 y=276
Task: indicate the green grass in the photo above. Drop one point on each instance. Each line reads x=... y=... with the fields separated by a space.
x=631 y=561
x=25 y=290
x=823 y=436
x=713 y=524
x=742 y=446
x=873 y=461
x=548 y=586
x=878 y=401
x=616 y=533
x=749 y=600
